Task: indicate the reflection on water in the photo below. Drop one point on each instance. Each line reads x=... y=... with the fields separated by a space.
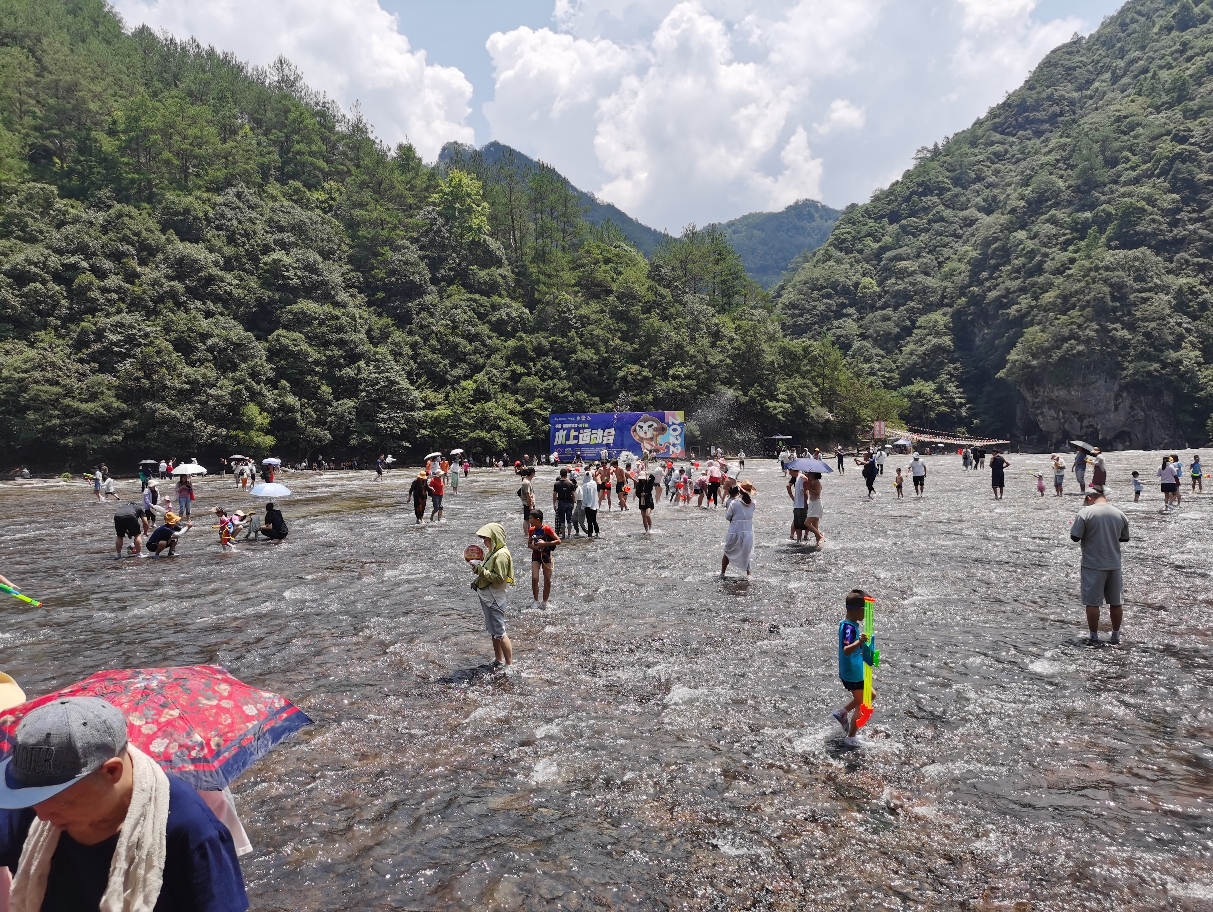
x=668 y=741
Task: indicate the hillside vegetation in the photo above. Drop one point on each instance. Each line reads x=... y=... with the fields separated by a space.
x=771 y=243
x=1045 y=273
x=595 y=211
x=199 y=258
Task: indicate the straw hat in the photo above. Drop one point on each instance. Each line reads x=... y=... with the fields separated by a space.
x=748 y=487
x=11 y=693
x=151 y=482
x=172 y=518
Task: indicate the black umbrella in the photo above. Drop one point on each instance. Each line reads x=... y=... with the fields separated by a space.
x=1082 y=446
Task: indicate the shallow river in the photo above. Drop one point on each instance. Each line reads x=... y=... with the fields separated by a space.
x=668 y=743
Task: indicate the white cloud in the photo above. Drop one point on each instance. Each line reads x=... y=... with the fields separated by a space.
x=1001 y=42
x=693 y=122
x=700 y=110
x=351 y=49
x=842 y=116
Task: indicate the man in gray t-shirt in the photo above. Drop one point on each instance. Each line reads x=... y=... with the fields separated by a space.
x=1100 y=528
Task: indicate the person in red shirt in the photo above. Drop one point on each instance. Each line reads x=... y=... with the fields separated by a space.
x=542 y=540
x=437 y=489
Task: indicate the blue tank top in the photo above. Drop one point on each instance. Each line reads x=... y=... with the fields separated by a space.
x=850 y=667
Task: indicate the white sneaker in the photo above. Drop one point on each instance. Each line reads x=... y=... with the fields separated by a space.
x=544 y=606
x=852 y=742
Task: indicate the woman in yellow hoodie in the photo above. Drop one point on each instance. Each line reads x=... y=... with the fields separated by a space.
x=493 y=574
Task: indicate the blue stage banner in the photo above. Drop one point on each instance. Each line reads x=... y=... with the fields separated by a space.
x=598 y=435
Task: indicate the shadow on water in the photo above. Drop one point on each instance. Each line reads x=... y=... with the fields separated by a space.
x=665 y=740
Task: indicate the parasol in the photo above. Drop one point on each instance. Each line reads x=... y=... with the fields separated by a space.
x=189 y=468
x=779 y=437
x=196 y=721
x=1082 y=446
x=272 y=461
x=151 y=462
x=809 y=464
x=271 y=489
x=458 y=451
x=433 y=456
x=237 y=456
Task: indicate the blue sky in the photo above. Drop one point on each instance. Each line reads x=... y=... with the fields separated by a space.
x=678 y=111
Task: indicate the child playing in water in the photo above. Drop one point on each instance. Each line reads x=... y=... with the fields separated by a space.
x=1040 y=483
x=1137 y=486
x=898 y=481
x=853 y=651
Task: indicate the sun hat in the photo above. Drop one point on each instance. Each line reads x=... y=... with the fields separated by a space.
x=240 y=513
x=171 y=518
x=151 y=482
x=57 y=745
x=11 y=693
x=748 y=487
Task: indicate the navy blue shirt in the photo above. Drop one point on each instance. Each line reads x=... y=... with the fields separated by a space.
x=201 y=872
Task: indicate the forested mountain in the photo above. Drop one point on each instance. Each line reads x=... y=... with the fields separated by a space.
x=771 y=243
x=198 y=257
x=596 y=212
x=1045 y=273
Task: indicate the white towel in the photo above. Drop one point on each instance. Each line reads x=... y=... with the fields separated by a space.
x=137 y=871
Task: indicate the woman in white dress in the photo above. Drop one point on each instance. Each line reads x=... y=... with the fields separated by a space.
x=740 y=541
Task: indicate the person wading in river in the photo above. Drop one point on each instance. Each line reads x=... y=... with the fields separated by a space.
x=493 y=574
x=419 y=490
x=542 y=539
x=1100 y=528
x=997 y=479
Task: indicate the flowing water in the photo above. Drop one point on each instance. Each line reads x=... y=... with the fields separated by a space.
x=668 y=742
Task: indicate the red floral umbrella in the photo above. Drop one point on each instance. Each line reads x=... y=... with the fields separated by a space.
x=196 y=720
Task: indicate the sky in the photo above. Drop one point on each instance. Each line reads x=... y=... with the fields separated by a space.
x=677 y=111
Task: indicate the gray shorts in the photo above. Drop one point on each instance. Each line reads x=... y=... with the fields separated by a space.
x=493 y=606
x=798 y=516
x=1099 y=586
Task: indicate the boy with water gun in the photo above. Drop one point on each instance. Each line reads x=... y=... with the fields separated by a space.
x=856 y=656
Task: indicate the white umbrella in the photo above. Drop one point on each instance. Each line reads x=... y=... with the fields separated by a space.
x=457 y=452
x=271 y=461
x=189 y=468
x=237 y=456
x=271 y=490
x=433 y=456
x=809 y=464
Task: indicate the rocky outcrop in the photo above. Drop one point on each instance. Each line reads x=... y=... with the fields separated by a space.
x=1101 y=411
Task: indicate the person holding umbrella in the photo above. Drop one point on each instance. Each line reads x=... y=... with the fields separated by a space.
x=1080 y=466
x=274 y=526
x=90 y=821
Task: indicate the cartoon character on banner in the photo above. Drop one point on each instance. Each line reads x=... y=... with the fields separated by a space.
x=648 y=432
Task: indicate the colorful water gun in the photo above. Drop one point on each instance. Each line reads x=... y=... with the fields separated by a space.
x=871 y=659
x=15 y=594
